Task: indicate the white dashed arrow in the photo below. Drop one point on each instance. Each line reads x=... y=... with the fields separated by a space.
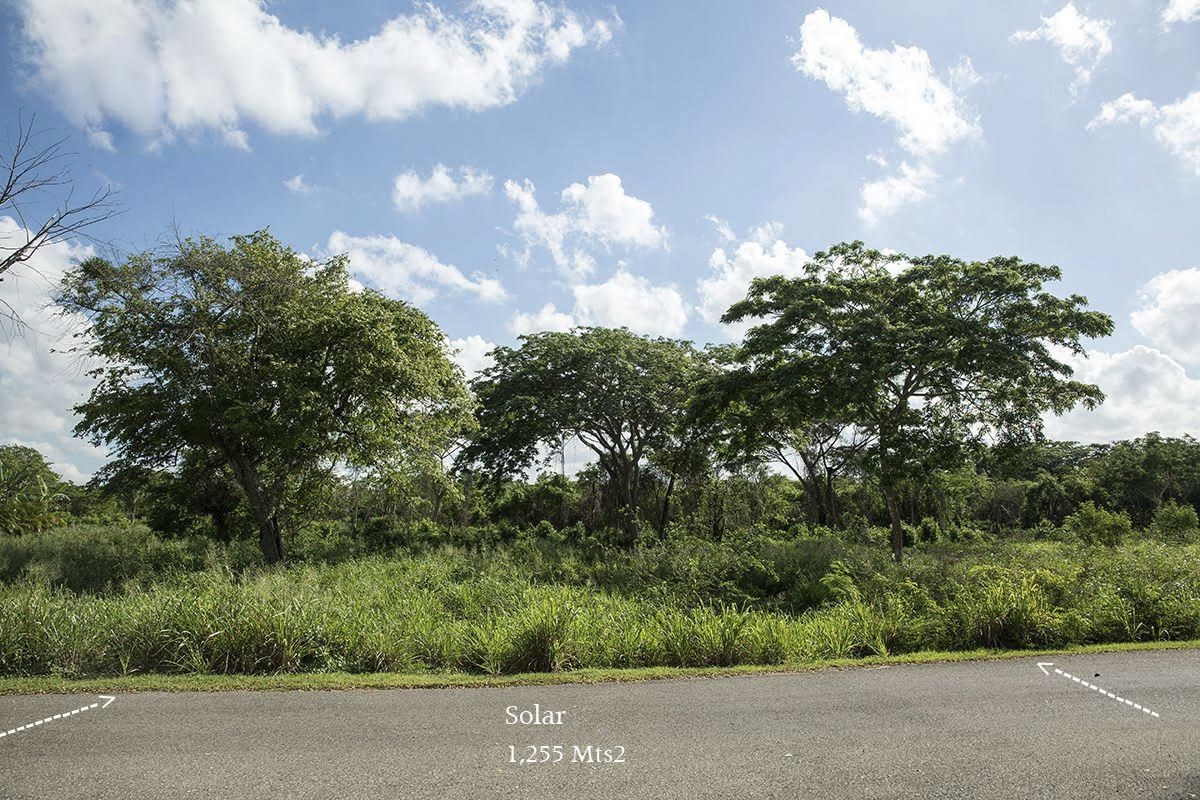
x=1102 y=692
x=73 y=712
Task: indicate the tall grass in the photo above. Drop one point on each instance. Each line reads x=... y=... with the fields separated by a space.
x=515 y=611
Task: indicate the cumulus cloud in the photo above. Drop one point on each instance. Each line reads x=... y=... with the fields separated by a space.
x=165 y=67
x=761 y=254
x=631 y=301
x=404 y=270
x=1181 y=11
x=473 y=354
x=297 y=185
x=885 y=196
x=1176 y=126
x=899 y=86
x=596 y=213
x=1169 y=314
x=547 y=318
x=1082 y=42
x=624 y=300
x=1146 y=390
x=411 y=192
x=39 y=381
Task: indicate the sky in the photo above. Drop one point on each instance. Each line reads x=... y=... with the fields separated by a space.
x=513 y=166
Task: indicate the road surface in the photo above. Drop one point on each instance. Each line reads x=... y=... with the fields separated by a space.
x=999 y=729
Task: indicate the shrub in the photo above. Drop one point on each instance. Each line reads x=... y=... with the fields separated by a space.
x=999 y=607
x=928 y=531
x=91 y=558
x=1092 y=525
x=1175 y=522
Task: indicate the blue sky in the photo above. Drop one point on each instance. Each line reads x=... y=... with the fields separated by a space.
x=637 y=163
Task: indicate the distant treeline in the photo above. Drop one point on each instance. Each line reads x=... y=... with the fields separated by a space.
x=1093 y=493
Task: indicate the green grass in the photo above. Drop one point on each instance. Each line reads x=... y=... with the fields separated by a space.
x=750 y=601
x=336 y=681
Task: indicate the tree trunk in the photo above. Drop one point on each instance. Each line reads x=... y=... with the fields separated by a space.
x=666 y=506
x=220 y=522
x=270 y=540
x=718 y=510
x=831 y=499
x=627 y=502
x=893 y=506
x=265 y=510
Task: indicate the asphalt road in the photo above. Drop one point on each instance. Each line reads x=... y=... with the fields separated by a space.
x=977 y=730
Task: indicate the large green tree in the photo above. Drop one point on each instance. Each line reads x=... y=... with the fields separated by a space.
x=926 y=356
x=265 y=359
x=622 y=395
x=31 y=496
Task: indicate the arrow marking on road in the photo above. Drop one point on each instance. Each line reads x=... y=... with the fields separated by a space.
x=73 y=712
x=1102 y=692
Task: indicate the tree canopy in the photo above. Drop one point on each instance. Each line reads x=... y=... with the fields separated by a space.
x=30 y=497
x=260 y=357
x=621 y=395
x=927 y=355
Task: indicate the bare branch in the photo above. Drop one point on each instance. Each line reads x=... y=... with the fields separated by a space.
x=36 y=182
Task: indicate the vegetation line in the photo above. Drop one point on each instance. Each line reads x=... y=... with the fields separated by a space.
x=337 y=681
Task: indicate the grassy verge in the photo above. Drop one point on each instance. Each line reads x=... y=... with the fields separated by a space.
x=331 y=681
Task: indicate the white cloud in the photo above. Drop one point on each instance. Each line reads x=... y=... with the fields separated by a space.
x=900 y=86
x=473 y=354
x=297 y=185
x=1176 y=126
x=39 y=381
x=1181 y=11
x=547 y=318
x=1146 y=391
x=724 y=230
x=603 y=210
x=401 y=269
x=762 y=254
x=624 y=300
x=1169 y=315
x=1082 y=42
x=165 y=67
x=411 y=192
x=596 y=213
x=885 y=196
x=1126 y=108
x=631 y=301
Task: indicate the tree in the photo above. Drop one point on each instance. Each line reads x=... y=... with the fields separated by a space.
x=265 y=359
x=816 y=453
x=35 y=182
x=928 y=356
x=31 y=497
x=1138 y=475
x=622 y=395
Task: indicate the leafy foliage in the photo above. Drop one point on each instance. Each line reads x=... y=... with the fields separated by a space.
x=264 y=361
x=30 y=496
x=928 y=355
x=621 y=395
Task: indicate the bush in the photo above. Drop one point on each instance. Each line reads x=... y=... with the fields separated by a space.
x=92 y=558
x=1092 y=525
x=1176 y=523
x=1000 y=607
